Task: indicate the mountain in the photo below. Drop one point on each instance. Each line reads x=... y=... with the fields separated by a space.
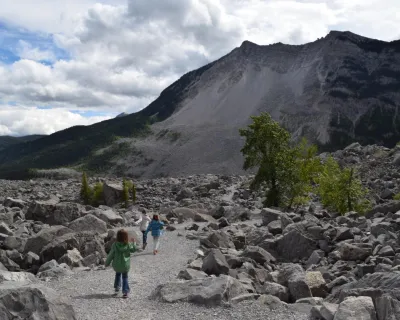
x=336 y=90
x=6 y=141
x=123 y=114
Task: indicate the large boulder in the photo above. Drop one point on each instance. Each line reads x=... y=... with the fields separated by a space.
x=276 y=290
x=354 y=252
x=113 y=193
x=58 y=247
x=258 y=254
x=190 y=274
x=14 y=203
x=33 y=301
x=387 y=308
x=218 y=239
x=215 y=263
x=268 y=215
x=184 y=194
x=54 y=213
x=88 y=223
x=16 y=277
x=109 y=216
x=6 y=216
x=317 y=284
x=208 y=291
x=295 y=245
x=44 y=237
x=356 y=308
x=293 y=276
x=375 y=284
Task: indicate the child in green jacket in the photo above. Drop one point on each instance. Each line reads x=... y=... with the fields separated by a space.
x=120 y=256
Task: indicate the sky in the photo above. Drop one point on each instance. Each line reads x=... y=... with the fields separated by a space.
x=77 y=62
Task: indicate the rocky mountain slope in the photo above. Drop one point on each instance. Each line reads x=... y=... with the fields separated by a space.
x=336 y=90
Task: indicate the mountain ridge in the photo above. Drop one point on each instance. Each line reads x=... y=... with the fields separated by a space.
x=336 y=90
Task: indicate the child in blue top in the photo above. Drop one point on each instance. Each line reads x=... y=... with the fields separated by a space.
x=156 y=227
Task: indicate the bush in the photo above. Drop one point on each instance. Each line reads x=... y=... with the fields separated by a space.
x=125 y=194
x=93 y=196
x=396 y=196
x=97 y=194
x=85 y=189
x=340 y=189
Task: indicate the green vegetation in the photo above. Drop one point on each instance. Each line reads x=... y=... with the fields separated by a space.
x=290 y=173
x=304 y=174
x=102 y=160
x=125 y=194
x=128 y=188
x=396 y=197
x=267 y=147
x=85 y=189
x=93 y=196
x=97 y=194
x=340 y=189
x=76 y=145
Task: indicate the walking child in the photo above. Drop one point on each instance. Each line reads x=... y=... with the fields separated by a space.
x=120 y=256
x=144 y=223
x=156 y=227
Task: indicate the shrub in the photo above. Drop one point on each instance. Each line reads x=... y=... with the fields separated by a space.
x=340 y=189
x=85 y=189
x=396 y=196
x=125 y=194
x=97 y=194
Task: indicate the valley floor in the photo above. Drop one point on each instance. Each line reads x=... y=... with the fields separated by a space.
x=91 y=292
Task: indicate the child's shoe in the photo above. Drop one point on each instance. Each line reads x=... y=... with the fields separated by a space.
x=125 y=295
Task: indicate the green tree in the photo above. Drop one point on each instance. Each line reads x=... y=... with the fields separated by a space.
x=267 y=148
x=125 y=194
x=85 y=189
x=97 y=194
x=340 y=189
x=307 y=167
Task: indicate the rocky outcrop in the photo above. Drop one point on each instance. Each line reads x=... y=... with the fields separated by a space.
x=209 y=291
x=21 y=301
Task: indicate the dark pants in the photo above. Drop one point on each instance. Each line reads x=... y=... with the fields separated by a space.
x=125 y=284
x=144 y=237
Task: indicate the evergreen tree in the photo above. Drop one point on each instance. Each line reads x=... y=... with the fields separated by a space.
x=267 y=148
x=85 y=189
x=125 y=194
x=340 y=189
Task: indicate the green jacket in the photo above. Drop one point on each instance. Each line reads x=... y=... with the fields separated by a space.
x=120 y=255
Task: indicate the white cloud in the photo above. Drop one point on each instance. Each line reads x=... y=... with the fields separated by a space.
x=125 y=52
x=20 y=120
x=26 y=51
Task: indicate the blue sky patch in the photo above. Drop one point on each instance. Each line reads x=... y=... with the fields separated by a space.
x=92 y=113
x=13 y=39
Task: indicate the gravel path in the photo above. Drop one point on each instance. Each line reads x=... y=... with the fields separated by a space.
x=91 y=292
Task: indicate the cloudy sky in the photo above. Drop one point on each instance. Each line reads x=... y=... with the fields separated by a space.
x=69 y=62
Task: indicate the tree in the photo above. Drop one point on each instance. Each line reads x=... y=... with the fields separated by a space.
x=267 y=147
x=97 y=194
x=125 y=194
x=340 y=189
x=85 y=189
x=306 y=169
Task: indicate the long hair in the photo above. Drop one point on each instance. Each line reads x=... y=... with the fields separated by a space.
x=122 y=236
x=155 y=217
